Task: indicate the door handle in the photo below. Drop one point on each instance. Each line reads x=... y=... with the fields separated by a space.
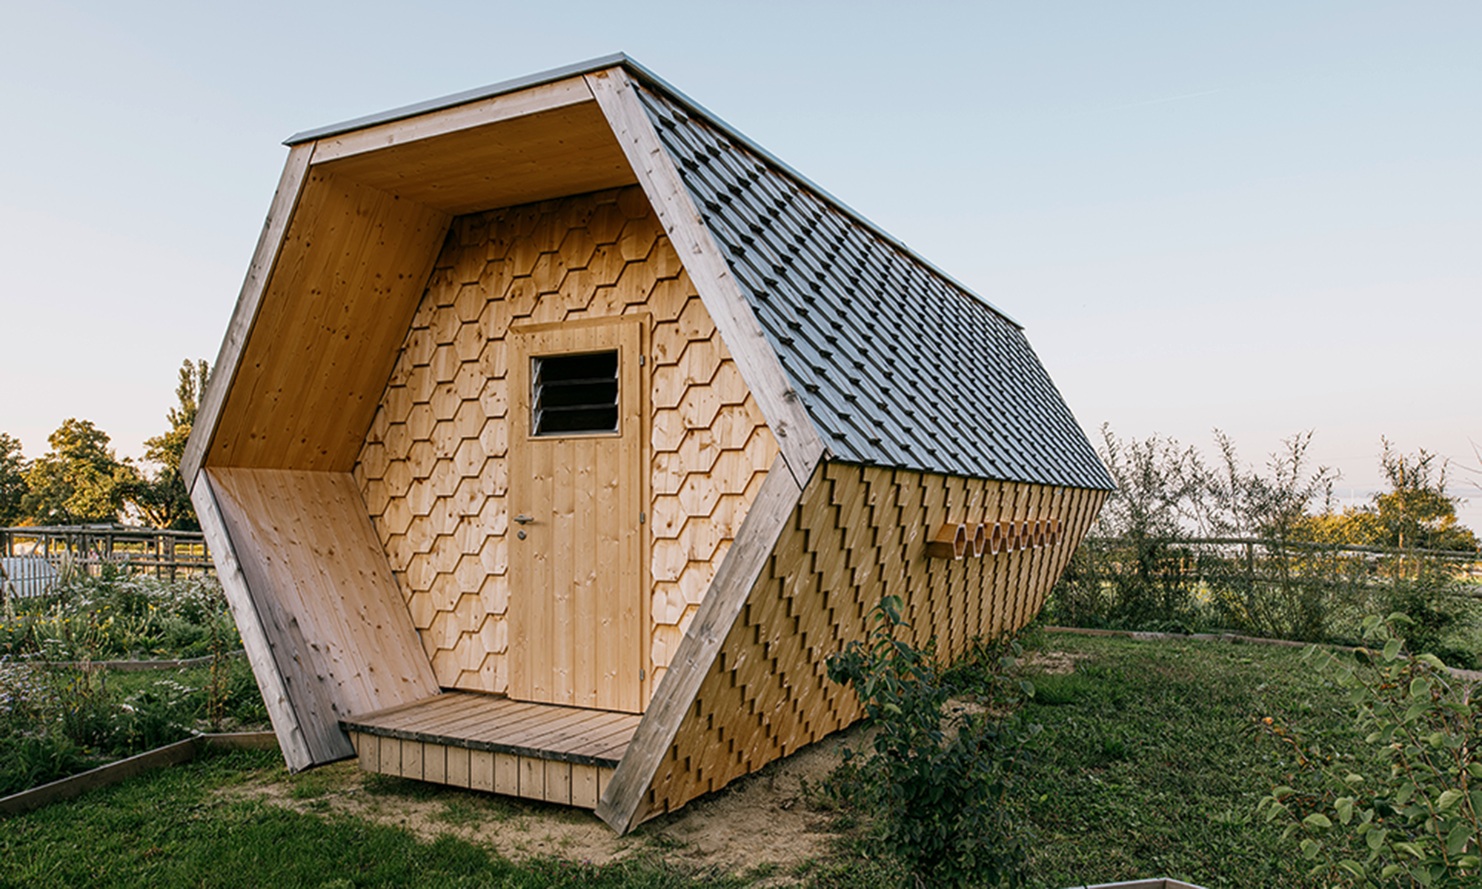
x=524 y=519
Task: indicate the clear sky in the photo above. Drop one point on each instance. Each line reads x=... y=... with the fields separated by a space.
x=1264 y=217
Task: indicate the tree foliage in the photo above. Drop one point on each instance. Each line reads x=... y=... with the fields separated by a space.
x=163 y=498
x=12 y=480
x=1409 y=813
x=1417 y=512
x=79 y=481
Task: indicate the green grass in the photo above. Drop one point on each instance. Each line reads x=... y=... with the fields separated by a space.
x=169 y=829
x=1146 y=767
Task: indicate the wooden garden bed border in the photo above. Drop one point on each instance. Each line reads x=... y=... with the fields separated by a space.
x=115 y=772
x=135 y=666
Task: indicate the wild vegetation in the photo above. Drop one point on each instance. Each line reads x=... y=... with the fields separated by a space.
x=1186 y=546
x=937 y=787
x=60 y=713
x=1410 y=812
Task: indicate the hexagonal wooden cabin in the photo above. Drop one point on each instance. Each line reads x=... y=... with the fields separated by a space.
x=560 y=433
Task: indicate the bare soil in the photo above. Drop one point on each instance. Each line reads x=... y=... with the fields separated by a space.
x=766 y=825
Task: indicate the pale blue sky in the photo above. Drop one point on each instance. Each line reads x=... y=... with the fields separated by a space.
x=1265 y=217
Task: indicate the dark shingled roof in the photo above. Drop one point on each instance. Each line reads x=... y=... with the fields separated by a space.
x=897 y=364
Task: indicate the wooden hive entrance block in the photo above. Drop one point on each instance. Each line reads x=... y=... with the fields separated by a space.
x=488 y=742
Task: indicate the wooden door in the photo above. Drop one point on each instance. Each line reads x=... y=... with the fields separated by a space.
x=578 y=608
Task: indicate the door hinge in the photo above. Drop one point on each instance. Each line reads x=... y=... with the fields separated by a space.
x=642 y=518
x=642 y=674
x=642 y=360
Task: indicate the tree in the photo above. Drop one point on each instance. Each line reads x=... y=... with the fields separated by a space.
x=163 y=498
x=1242 y=502
x=12 y=480
x=1158 y=487
x=79 y=480
x=1416 y=511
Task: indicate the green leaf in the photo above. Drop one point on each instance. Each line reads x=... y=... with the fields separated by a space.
x=1309 y=849
x=1375 y=838
x=1432 y=661
x=1448 y=800
x=1318 y=820
x=1420 y=687
x=1353 y=867
x=1410 y=849
x=1456 y=840
x=1344 y=806
x=1392 y=649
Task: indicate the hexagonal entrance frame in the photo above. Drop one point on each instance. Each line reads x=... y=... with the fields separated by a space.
x=350 y=464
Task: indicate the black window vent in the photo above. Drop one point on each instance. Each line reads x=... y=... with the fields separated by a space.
x=574 y=394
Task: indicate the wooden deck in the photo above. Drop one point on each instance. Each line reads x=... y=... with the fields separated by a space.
x=488 y=742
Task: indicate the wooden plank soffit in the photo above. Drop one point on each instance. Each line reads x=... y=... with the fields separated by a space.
x=743 y=564
x=249 y=300
x=702 y=257
x=249 y=625
x=546 y=97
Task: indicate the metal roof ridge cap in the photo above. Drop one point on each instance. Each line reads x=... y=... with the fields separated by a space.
x=787 y=170
x=461 y=98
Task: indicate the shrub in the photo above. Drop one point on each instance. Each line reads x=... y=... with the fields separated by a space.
x=118 y=615
x=1406 y=811
x=936 y=787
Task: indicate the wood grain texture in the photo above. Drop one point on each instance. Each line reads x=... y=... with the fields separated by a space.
x=579 y=610
x=738 y=575
x=468 y=116
x=434 y=469
x=858 y=533
x=249 y=301
x=496 y=724
x=758 y=364
x=342 y=292
x=251 y=628
x=326 y=600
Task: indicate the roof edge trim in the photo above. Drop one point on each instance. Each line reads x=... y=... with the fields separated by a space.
x=644 y=74
x=462 y=98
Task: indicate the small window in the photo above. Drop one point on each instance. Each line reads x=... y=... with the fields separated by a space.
x=574 y=394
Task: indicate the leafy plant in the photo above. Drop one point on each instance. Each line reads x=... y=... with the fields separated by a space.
x=936 y=786
x=1410 y=812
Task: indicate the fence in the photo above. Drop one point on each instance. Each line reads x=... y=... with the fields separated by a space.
x=31 y=559
x=1292 y=590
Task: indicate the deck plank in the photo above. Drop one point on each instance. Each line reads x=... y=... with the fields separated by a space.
x=495 y=724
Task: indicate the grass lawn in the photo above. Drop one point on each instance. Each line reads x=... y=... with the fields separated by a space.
x=1148 y=768
x=1145 y=768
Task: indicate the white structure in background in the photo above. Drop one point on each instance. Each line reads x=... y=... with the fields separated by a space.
x=26 y=576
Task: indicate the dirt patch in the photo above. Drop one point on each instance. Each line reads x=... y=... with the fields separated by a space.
x=763 y=824
x=1054 y=663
